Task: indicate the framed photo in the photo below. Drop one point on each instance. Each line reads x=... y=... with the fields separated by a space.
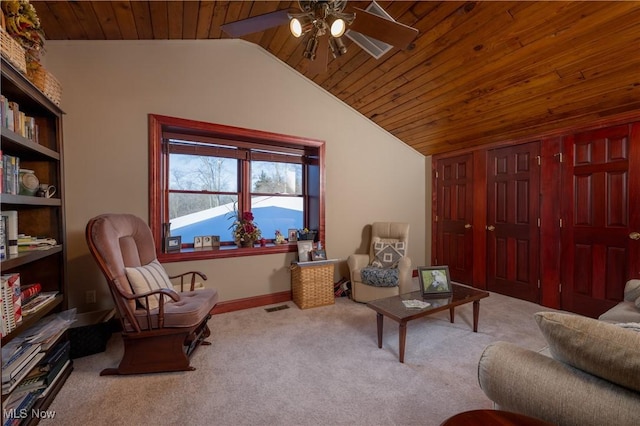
x=197 y=242
x=434 y=281
x=215 y=241
x=293 y=235
x=206 y=241
x=318 y=254
x=173 y=243
x=304 y=250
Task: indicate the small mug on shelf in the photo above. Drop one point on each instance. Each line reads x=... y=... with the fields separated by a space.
x=46 y=190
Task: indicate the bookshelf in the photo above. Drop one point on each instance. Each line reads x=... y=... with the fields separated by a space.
x=37 y=216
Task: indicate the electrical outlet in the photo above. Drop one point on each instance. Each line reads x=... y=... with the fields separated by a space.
x=90 y=296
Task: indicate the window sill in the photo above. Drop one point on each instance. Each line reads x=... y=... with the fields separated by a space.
x=225 y=252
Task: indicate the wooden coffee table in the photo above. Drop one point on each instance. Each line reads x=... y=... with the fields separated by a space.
x=392 y=307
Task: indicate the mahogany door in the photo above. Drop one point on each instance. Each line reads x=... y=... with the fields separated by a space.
x=601 y=215
x=513 y=198
x=454 y=217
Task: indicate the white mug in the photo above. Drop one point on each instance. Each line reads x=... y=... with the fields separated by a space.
x=46 y=191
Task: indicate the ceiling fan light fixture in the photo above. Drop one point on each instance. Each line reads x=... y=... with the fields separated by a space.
x=312 y=47
x=338 y=26
x=300 y=25
x=337 y=46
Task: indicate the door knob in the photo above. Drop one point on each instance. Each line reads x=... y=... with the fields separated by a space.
x=634 y=235
x=467 y=226
x=491 y=228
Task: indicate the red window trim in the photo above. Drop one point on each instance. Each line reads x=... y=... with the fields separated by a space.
x=160 y=124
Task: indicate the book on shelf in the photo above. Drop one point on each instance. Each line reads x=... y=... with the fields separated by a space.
x=57 y=356
x=27 y=242
x=65 y=367
x=11 y=302
x=18 y=359
x=14 y=119
x=18 y=409
x=31 y=383
x=38 y=302
x=49 y=341
x=19 y=374
x=12 y=231
x=3 y=236
x=3 y=316
x=44 y=374
x=11 y=174
x=29 y=292
x=4 y=104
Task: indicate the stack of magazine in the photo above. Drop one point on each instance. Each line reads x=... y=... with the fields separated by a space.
x=31 y=365
x=33 y=381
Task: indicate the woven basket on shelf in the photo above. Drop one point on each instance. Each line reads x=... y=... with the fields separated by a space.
x=46 y=82
x=12 y=50
x=312 y=285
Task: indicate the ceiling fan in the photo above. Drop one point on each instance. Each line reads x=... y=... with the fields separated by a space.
x=323 y=22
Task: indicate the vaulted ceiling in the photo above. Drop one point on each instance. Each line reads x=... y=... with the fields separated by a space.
x=478 y=72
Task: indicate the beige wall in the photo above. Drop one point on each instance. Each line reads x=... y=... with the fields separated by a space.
x=111 y=86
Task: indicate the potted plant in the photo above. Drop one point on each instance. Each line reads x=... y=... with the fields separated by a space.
x=245 y=230
x=306 y=234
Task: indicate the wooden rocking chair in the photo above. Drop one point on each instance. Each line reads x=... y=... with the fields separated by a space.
x=160 y=326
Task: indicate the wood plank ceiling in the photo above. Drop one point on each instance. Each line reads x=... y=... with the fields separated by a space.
x=478 y=73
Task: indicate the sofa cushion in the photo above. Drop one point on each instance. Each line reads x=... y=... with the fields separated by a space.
x=632 y=291
x=622 y=312
x=380 y=277
x=387 y=255
x=151 y=276
x=599 y=348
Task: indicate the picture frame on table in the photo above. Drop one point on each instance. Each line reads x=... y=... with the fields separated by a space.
x=318 y=254
x=304 y=250
x=173 y=244
x=292 y=235
x=434 y=281
x=197 y=242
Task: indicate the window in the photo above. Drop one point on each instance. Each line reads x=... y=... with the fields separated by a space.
x=200 y=173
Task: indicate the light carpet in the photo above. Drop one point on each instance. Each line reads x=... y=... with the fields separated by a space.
x=319 y=366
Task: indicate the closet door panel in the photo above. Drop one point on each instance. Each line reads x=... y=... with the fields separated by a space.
x=454 y=212
x=601 y=192
x=513 y=237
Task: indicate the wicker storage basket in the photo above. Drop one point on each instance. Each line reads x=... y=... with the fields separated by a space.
x=312 y=285
x=47 y=83
x=12 y=50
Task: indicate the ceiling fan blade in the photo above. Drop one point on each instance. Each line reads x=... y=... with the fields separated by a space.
x=258 y=23
x=390 y=32
x=319 y=64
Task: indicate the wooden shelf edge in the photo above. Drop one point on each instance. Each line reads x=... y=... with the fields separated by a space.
x=28 y=257
x=29 y=144
x=30 y=200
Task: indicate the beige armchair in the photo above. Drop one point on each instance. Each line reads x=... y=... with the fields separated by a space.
x=393 y=274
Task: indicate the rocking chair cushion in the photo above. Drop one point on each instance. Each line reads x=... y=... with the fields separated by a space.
x=151 y=276
x=187 y=312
